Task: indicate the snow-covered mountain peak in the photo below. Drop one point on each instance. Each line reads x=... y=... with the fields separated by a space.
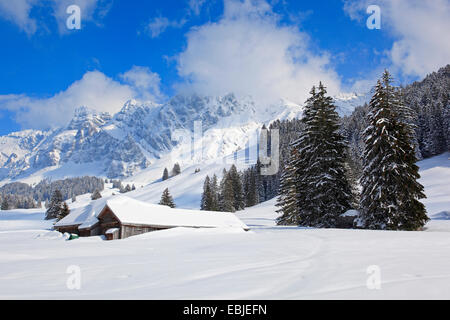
x=85 y=117
x=131 y=105
x=347 y=102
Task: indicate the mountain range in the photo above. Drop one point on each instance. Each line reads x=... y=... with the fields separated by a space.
x=147 y=134
x=129 y=141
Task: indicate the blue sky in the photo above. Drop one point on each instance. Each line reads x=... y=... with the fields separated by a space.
x=153 y=49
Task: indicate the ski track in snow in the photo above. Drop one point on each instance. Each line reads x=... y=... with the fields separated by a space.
x=268 y=262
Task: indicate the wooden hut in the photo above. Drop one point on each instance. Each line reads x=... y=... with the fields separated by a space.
x=121 y=217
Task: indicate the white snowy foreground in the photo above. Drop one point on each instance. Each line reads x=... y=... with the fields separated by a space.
x=268 y=262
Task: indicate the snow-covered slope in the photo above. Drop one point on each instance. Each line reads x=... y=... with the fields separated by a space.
x=268 y=262
x=15 y=146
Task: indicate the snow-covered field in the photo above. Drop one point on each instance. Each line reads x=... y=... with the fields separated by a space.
x=268 y=262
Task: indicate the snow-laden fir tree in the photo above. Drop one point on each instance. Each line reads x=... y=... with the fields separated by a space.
x=215 y=193
x=245 y=184
x=220 y=190
x=250 y=185
x=55 y=205
x=96 y=195
x=253 y=195
x=207 y=201
x=176 y=169
x=227 y=195
x=321 y=187
x=328 y=193
x=238 y=192
x=390 y=191
x=166 y=199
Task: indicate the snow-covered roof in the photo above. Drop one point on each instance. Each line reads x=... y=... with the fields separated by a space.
x=83 y=216
x=131 y=211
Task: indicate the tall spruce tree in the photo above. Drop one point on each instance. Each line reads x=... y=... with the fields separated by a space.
x=316 y=174
x=251 y=194
x=166 y=199
x=227 y=195
x=221 y=190
x=238 y=192
x=390 y=191
x=215 y=193
x=207 y=196
x=329 y=193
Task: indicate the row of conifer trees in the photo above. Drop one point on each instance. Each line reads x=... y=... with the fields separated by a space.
x=227 y=196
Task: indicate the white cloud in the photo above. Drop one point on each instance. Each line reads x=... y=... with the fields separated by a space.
x=248 y=51
x=158 y=25
x=195 y=6
x=145 y=83
x=420 y=29
x=19 y=12
x=94 y=90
